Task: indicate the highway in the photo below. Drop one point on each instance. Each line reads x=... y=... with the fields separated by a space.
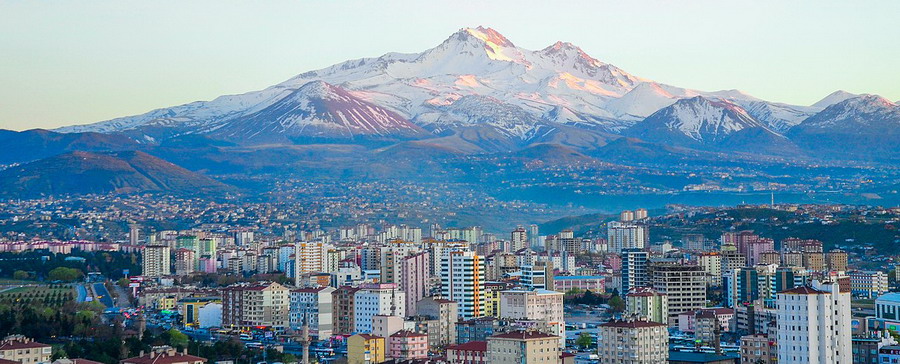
x=103 y=295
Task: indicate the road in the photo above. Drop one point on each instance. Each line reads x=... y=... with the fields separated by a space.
x=81 y=293
x=121 y=297
x=103 y=295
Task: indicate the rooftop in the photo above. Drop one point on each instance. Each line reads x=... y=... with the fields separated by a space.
x=470 y=346
x=523 y=335
x=631 y=324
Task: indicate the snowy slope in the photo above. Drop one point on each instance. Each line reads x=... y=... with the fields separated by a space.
x=316 y=110
x=696 y=120
x=558 y=84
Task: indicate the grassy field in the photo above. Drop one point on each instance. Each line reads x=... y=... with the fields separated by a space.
x=52 y=295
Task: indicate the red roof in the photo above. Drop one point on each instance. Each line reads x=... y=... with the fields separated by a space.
x=19 y=344
x=524 y=335
x=163 y=358
x=803 y=290
x=631 y=324
x=407 y=333
x=470 y=346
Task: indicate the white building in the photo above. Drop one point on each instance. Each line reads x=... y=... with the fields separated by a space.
x=624 y=235
x=309 y=258
x=156 y=261
x=539 y=305
x=814 y=324
x=314 y=307
x=868 y=284
x=462 y=280
x=633 y=342
x=377 y=299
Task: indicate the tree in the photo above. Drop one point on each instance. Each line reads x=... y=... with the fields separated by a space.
x=123 y=282
x=65 y=274
x=617 y=304
x=584 y=340
x=21 y=275
x=177 y=339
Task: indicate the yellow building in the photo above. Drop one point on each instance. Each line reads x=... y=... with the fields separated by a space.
x=365 y=349
x=492 y=298
x=167 y=303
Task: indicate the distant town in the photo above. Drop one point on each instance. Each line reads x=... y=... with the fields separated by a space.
x=122 y=280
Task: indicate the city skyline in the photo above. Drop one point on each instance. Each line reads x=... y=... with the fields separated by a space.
x=145 y=57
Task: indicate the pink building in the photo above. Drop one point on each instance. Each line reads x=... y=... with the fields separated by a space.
x=405 y=345
x=207 y=265
x=613 y=261
x=414 y=279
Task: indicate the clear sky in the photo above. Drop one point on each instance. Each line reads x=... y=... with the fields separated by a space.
x=75 y=62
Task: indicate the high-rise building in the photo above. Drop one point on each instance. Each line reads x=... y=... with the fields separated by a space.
x=519 y=239
x=538 y=275
x=814 y=324
x=256 y=305
x=648 y=303
x=134 y=234
x=712 y=266
x=685 y=286
x=868 y=284
x=462 y=280
x=814 y=261
x=309 y=258
x=633 y=342
x=634 y=269
x=343 y=312
x=538 y=305
x=446 y=313
x=243 y=237
x=626 y=234
x=407 y=266
x=156 y=261
x=836 y=260
x=314 y=308
x=185 y=262
x=534 y=236
x=377 y=299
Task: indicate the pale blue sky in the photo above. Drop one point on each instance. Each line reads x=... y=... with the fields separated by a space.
x=74 y=62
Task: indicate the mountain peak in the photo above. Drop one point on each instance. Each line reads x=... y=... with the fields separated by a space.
x=568 y=50
x=488 y=36
x=834 y=98
x=318 y=88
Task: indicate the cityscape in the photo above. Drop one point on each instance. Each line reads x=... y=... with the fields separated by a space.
x=366 y=182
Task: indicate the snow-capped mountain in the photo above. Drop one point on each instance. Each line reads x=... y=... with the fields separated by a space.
x=700 y=122
x=315 y=110
x=833 y=98
x=476 y=78
x=866 y=126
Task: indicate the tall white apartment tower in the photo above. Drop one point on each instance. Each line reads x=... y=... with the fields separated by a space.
x=462 y=280
x=156 y=261
x=626 y=234
x=814 y=324
x=519 y=239
x=309 y=257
